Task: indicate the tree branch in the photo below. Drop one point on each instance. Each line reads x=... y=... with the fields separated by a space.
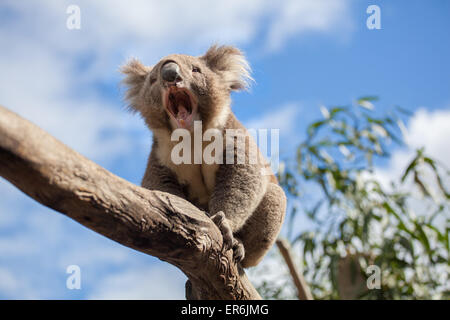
x=300 y=283
x=156 y=223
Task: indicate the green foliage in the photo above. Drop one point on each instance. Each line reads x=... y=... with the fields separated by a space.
x=402 y=226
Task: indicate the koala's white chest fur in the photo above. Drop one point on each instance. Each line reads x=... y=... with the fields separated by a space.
x=199 y=178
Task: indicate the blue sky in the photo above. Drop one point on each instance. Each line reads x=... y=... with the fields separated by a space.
x=303 y=54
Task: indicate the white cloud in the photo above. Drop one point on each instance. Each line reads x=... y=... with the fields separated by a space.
x=428 y=129
x=15 y=287
x=296 y=17
x=283 y=117
x=111 y=30
x=431 y=129
x=42 y=87
x=156 y=282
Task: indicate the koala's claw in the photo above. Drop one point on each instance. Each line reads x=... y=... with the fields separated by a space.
x=229 y=241
x=238 y=250
x=224 y=227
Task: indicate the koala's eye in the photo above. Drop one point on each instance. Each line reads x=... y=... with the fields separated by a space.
x=152 y=81
x=196 y=69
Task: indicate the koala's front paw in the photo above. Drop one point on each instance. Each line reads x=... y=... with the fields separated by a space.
x=229 y=241
x=238 y=250
x=224 y=227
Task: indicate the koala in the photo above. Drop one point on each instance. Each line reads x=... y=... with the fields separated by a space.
x=247 y=205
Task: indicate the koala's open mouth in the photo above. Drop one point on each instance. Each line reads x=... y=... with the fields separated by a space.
x=181 y=106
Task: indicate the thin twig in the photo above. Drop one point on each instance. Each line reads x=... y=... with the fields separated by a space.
x=303 y=291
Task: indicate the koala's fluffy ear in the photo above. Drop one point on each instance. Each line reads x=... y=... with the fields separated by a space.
x=231 y=64
x=135 y=74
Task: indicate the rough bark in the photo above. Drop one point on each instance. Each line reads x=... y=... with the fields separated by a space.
x=156 y=223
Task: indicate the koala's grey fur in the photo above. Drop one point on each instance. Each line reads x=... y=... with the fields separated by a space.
x=248 y=207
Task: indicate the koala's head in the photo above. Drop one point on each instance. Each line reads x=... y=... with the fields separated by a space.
x=181 y=88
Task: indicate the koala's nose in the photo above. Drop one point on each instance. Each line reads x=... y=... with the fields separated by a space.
x=170 y=72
